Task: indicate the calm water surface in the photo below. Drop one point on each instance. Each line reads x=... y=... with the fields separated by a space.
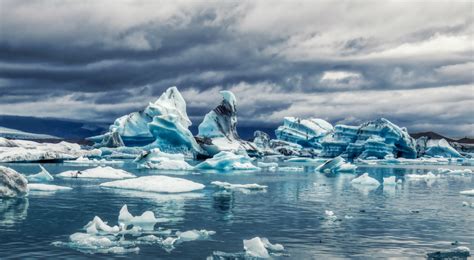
x=404 y=221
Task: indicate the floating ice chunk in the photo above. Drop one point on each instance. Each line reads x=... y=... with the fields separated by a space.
x=163 y=184
x=227 y=161
x=460 y=252
x=257 y=247
x=98 y=173
x=46 y=187
x=156 y=159
x=330 y=215
x=89 y=241
x=467 y=192
x=423 y=177
x=365 y=180
x=291 y=169
x=267 y=164
x=43 y=175
x=97 y=226
x=436 y=147
x=194 y=234
x=12 y=183
x=336 y=165
x=246 y=188
x=456 y=171
x=92 y=244
x=146 y=221
x=86 y=161
x=389 y=181
x=467 y=204
x=348 y=217
x=150 y=239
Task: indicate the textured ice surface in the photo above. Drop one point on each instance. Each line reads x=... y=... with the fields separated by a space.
x=436 y=148
x=46 y=187
x=258 y=247
x=365 y=179
x=336 y=165
x=239 y=187
x=192 y=235
x=156 y=159
x=305 y=132
x=379 y=138
x=86 y=161
x=227 y=161
x=98 y=226
x=416 y=177
x=163 y=184
x=41 y=176
x=12 y=183
x=218 y=130
x=146 y=221
x=97 y=173
x=455 y=171
x=389 y=181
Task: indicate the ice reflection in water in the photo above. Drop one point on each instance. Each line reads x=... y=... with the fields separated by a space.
x=13 y=211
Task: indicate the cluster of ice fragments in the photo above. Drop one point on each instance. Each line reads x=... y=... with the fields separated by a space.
x=128 y=235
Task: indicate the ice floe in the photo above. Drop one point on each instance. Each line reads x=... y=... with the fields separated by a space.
x=427 y=176
x=389 y=181
x=99 y=172
x=467 y=192
x=42 y=176
x=365 y=180
x=455 y=171
x=162 y=184
x=240 y=187
x=227 y=161
x=12 y=183
x=336 y=165
x=259 y=247
x=97 y=225
x=46 y=187
x=86 y=161
x=146 y=221
x=156 y=159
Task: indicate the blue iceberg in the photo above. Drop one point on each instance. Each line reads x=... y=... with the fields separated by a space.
x=336 y=165
x=228 y=161
x=436 y=148
x=305 y=132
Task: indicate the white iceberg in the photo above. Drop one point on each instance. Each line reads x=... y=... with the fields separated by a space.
x=467 y=192
x=228 y=161
x=436 y=148
x=46 y=187
x=12 y=183
x=156 y=159
x=239 y=187
x=218 y=130
x=336 y=165
x=366 y=180
x=146 y=221
x=42 y=176
x=162 y=184
x=258 y=247
x=97 y=173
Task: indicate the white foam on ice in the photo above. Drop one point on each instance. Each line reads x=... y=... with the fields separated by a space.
x=162 y=184
x=97 y=173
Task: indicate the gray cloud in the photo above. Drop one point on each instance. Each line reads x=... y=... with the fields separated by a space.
x=344 y=61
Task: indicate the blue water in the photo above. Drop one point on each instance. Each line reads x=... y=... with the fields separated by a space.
x=408 y=221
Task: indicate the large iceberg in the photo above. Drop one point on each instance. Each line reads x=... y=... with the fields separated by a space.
x=30 y=151
x=156 y=159
x=435 y=148
x=228 y=161
x=375 y=139
x=12 y=183
x=218 y=130
x=163 y=184
x=162 y=124
x=305 y=132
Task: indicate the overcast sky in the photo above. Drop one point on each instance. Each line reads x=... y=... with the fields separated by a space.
x=343 y=61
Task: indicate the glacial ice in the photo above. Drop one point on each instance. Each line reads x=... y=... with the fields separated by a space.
x=12 y=183
x=227 y=161
x=46 y=187
x=86 y=161
x=365 y=179
x=162 y=184
x=192 y=235
x=421 y=177
x=42 y=176
x=97 y=225
x=218 y=130
x=389 y=181
x=156 y=159
x=336 y=165
x=258 y=247
x=456 y=171
x=436 y=148
x=146 y=221
x=467 y=192
x=99 y=172
x=379 y=138
x=239 y=187
x=262 y=141
x=305 y=132
x=90 y=243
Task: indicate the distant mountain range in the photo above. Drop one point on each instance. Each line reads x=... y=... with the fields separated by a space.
x=76 y=131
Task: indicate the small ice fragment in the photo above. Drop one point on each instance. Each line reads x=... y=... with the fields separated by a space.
x=467 y=192
x=194 y=234
x=256 y=248
x=348 y=217
x=389 y=181
x=43 y=175
x=230 y=186
x=365 y=179
x=270 y=246
x=146 y=221
x=97 y=225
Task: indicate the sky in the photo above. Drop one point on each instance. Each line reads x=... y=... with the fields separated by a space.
x=347 y=62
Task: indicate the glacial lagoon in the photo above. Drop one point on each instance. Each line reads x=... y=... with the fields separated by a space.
x=415 y=217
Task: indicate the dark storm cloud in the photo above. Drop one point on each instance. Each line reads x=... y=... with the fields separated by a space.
x=99 y=60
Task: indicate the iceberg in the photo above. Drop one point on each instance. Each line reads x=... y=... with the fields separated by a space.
x=12 y=183
x=163 y=184
x=258 y=247
x=218 y=130
x=97 y=173
x=86 y=161
x=42 y=176
x=379 y=139
x=292 y=149
x=146 y=221
x=336 y=165
x=366 y=180
x=436 y=148
x=98 y=226
x=156 y=159
x=46 y=187
x=239 y=187
x=305 y=132
x=192 y=235
x=111 y=139
x=227 y=161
